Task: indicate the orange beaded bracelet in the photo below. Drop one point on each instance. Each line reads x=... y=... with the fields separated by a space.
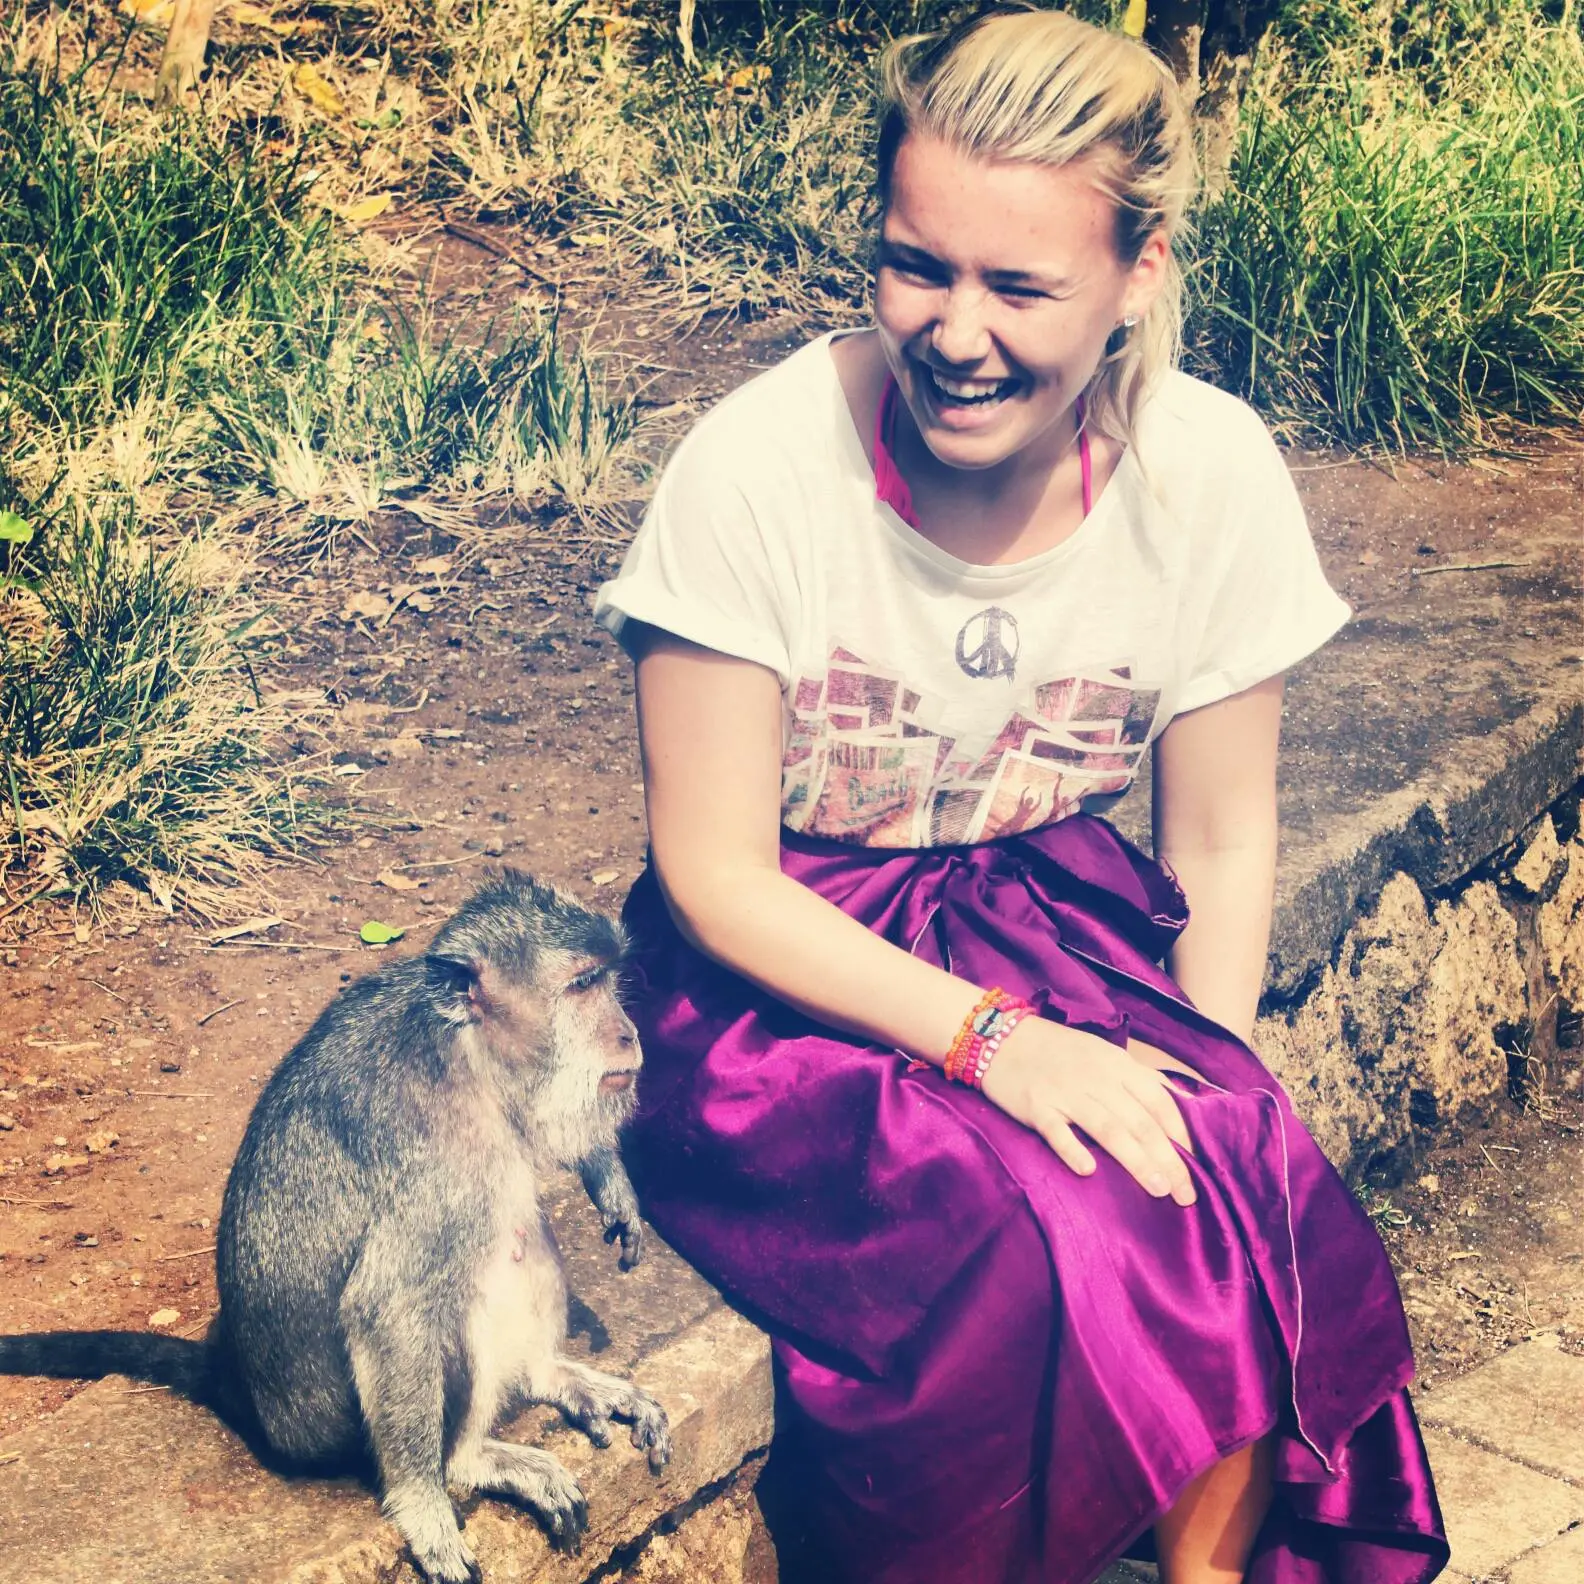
x=994 y=1016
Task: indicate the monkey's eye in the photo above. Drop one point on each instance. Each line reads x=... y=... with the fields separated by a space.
x=589 y=979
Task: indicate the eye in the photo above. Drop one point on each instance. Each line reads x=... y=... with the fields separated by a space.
x=922 y=271
x=590 y=979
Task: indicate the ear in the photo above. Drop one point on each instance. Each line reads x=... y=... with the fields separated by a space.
x=454 y=984
x=1147 y=276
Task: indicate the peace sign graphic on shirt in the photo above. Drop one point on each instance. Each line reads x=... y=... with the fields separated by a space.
x=993 y=633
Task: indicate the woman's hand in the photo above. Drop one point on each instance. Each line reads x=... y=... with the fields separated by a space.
x=1054 y=1079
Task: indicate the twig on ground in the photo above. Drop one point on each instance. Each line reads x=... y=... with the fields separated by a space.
x=1464 y=566
x=39 y=1204
x=439 y=863
x=242 y=946
x=410 y=709
x=134 y=1391
x=22 y=902
x=481 y=238
x=216 y=1011
x=185 y=1254
x=109 y=992
x=173 y=1094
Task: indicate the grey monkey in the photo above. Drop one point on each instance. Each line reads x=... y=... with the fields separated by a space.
x=388 y=1283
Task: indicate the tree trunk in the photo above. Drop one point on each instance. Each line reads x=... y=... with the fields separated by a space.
x=1210 y=46
x=183 y=57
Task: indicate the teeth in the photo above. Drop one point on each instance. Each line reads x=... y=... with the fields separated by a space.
x=967 y=390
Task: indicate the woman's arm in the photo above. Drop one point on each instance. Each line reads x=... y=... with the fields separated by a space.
x=1215 y=824
x=710 y=728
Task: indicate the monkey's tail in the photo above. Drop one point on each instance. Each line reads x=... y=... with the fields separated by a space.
x=185 y=1366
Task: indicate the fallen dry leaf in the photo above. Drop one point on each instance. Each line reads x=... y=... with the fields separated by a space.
x=98 y=1143
x=367 y=603
x=256 y=16
x=368 y=208
x=59 y=1165
x=420 y=602
x=164 y=1317
x=353 y=769
x=404 y=745
x=746 y=78
x=396 y=882
x=602 y=877
x=308 y=82
x=433 y=566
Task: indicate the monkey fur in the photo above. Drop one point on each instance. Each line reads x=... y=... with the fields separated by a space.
x=388 y=1282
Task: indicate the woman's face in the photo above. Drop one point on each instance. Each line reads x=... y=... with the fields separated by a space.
x=998 y=284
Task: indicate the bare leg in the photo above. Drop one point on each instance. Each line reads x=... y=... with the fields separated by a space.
x=1206 y=1537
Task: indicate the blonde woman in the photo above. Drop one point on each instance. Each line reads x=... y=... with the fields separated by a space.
x=1052 y=1270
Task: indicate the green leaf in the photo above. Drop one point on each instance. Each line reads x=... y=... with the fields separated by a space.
x=14 y=529
x=374 y=933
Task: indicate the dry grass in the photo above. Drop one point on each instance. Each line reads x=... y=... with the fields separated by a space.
x=136 y=744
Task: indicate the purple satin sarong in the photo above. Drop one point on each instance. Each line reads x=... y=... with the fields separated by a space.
x=991 y=1368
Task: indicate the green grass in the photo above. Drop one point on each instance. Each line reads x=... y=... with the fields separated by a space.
x=135 y=742
x=1391 y=266
x=362 y=407
x=185 y=349
x=118 y=251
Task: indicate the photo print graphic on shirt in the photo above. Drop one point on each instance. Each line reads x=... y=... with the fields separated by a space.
x=865 y=760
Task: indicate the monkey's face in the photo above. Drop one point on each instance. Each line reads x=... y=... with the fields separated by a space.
x=590 y=1060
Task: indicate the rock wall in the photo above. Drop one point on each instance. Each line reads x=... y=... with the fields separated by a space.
x=1436 y=1006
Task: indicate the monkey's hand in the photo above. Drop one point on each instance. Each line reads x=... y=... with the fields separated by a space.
x=608 y=1185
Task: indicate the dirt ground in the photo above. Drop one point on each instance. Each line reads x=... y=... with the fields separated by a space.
x=498 y=726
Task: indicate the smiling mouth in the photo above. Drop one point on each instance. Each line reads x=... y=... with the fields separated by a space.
x=949 y=392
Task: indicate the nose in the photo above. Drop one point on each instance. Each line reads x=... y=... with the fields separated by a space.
x=628 y=1052
x=961 y=333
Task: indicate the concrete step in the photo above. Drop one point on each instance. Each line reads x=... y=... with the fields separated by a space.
x=127 y=1485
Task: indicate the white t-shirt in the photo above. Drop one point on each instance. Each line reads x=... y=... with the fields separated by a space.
x=930 y=701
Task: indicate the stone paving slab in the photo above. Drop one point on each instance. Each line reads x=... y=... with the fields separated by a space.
x=1496 y=1509
x=1561 y=1562
x=1527 y=1403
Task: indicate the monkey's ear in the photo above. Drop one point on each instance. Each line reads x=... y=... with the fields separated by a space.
x=454 y=984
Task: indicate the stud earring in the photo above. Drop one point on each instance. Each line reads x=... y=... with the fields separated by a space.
x=1130 y=321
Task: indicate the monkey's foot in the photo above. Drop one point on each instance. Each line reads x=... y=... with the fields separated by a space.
x=529 y=1476
x=651 y=1430
x=590 y=1399
x=427 y=1521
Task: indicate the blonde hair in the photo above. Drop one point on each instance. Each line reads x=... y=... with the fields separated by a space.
x=1043 y=87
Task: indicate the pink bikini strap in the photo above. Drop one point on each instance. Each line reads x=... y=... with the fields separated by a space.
x=891 y=488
